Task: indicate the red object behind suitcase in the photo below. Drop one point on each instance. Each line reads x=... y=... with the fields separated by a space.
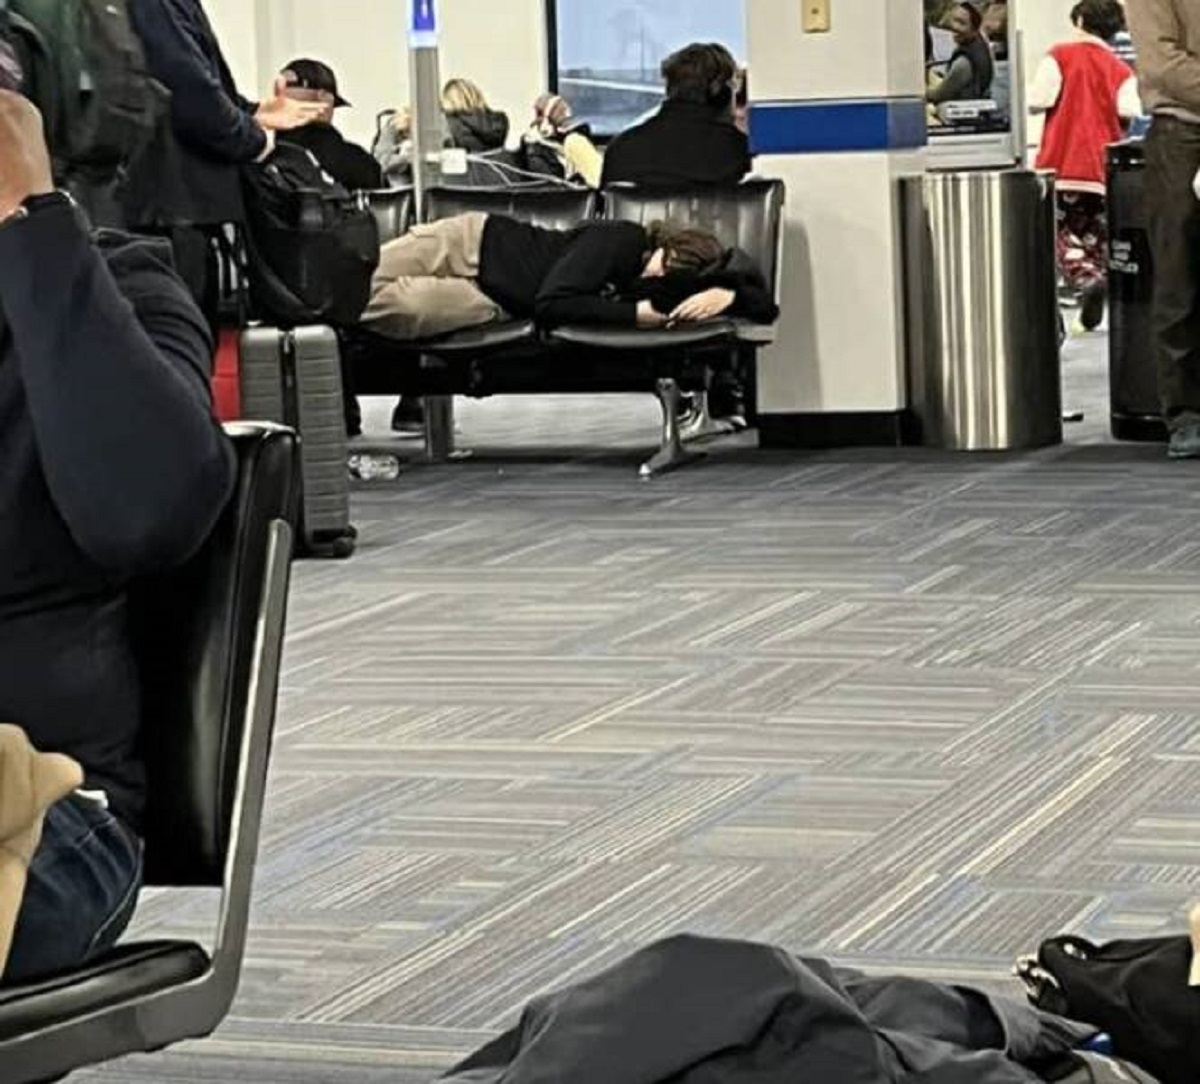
x=226 y=381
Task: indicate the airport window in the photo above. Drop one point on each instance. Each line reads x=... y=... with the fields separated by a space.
x=605 y=58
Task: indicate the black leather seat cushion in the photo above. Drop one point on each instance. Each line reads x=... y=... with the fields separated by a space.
x=483 y=339
x=128 y=973
x=472 y=341
x=683 y=337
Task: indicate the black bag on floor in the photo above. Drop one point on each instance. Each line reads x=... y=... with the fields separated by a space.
x=295 y=378
x=312 y=246
x=1136 y=991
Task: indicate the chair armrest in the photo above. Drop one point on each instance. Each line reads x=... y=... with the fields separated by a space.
x=753 y=334
x=127 y=974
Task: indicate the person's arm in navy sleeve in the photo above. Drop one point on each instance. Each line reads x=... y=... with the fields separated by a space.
x=203 y=114
x=116 y=382
x=603 y=255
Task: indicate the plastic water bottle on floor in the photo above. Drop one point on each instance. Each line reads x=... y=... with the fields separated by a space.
x=374 y=468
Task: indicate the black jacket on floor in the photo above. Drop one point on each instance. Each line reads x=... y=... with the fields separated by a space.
x=111 y=466
x=189 y=174
x=683 y=143
x=592 y=275
x=696 y=1011
x=347 y=163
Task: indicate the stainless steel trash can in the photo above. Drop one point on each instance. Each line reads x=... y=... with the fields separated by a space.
x=982 y=310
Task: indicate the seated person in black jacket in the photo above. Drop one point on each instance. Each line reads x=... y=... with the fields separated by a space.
x=351 y=166
x=111 y=467
x=475 y=268
x=693 y=138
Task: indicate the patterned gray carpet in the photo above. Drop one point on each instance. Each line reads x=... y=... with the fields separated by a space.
x=910 y=710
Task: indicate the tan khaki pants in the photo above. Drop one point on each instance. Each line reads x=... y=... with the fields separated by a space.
x=426 y=282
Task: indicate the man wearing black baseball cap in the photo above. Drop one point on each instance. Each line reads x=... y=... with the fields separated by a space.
x=348 y=164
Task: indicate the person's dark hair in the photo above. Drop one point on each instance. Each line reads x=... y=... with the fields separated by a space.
x=1104 y=18
x=705 y=74
x=687 y=249
x=975 y=15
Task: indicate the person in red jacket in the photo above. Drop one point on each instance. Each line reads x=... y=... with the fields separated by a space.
x=1088 y=94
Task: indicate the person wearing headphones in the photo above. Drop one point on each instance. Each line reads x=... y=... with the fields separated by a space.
x=692 y=139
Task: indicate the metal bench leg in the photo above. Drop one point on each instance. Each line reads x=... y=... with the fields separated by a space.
x=701 y=425
x=439 y=428
x=672 y=454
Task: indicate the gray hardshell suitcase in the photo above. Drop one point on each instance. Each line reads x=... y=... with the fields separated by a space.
x=295 y=378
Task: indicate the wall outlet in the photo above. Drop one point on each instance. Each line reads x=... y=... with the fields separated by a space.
x=816 y=16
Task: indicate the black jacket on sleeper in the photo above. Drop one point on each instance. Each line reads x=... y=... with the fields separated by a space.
x=592 y=275
x=111 y=467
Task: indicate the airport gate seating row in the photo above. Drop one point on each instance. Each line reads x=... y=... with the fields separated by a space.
x=209 y=641
x=515 y=357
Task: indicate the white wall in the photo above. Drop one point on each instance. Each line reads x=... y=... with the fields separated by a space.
x=500 y=44
x=1043 y=23
x=236 y=24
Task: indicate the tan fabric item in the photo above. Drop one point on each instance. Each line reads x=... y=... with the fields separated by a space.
x=30 y=783
x=426 y=281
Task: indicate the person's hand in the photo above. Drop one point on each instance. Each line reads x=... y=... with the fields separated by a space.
x=648 y=316
x=279 y=113
x=707 y=305
x=24 y=160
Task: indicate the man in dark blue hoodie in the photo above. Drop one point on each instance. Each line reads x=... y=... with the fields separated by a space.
x=111 y=467
x=187 y=184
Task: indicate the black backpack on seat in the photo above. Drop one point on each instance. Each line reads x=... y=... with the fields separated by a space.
x=312 y=246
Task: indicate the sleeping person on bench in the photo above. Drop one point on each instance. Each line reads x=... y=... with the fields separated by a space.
x=474 y=269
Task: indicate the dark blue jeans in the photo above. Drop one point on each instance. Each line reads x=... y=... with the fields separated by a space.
x=82 y=890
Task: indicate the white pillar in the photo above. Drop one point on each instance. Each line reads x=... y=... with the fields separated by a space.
x=840 y=116
x=1041 y=24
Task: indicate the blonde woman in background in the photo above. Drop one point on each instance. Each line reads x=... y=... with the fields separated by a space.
x=470 y=124
x=473 y=125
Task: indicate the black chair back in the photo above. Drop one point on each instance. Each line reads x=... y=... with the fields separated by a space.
x=394 y=210
x=557 y=208
x=195 y=635
x=749 y=217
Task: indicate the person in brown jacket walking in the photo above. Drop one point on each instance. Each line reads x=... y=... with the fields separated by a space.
x=1166 y=34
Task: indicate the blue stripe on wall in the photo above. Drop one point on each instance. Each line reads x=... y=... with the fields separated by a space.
x=833 y=126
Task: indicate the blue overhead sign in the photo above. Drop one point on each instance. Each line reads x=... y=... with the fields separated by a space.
x=423 y=29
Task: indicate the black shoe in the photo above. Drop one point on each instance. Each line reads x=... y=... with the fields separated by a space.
x=1091 y=308
x=409 y=417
